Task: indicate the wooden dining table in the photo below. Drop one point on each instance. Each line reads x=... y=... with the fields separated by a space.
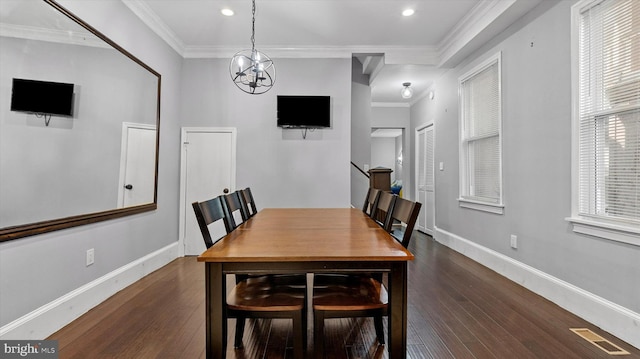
x=306 y=240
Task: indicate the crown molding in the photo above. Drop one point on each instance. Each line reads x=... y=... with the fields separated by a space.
x=423 y=55
x=51 y=35
x=483 y=14
x=273 y=52
x=411 y=55
x=153 y=21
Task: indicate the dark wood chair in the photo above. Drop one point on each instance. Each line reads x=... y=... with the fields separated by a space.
x=233 y=203
x=383 y=208
x=370 y=201
x=346 y=296
x=209 y=212
x=257 y=296
x=403 y=219
x=249 y=202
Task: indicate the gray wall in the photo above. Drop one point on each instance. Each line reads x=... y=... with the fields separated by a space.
x=360 y=132
x=39 y=269
x=536 y=163
x=282 y=168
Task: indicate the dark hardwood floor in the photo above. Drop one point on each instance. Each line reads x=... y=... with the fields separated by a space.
x=457 y=309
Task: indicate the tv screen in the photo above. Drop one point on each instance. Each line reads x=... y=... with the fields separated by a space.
x=304 y=111
x=42 y=97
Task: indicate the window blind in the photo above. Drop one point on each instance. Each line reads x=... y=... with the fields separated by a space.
x=609 y=110
x=480 y=105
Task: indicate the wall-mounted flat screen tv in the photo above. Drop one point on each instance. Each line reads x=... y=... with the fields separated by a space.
x=304 y=111
x=42 y=97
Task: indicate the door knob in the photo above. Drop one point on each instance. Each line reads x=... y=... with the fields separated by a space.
x=128 y=186
x=225 y=191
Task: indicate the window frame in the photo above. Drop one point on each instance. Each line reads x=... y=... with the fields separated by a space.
x=611 y=229
x=465 y=200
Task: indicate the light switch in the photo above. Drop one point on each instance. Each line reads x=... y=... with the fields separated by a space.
x=441 y=166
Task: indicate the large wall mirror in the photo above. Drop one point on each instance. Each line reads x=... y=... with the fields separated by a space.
x=98 y=161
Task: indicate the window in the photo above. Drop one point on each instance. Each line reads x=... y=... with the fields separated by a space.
x=607 y=117
x=480 y=137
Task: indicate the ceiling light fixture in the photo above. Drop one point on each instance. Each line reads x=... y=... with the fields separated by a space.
x=406 y=91
x=227 y=12
x=408 y=12
x=251 y=70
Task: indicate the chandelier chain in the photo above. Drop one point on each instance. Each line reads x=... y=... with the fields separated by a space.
x=253 y=25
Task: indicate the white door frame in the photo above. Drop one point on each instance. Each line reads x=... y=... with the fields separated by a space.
x=183 y=172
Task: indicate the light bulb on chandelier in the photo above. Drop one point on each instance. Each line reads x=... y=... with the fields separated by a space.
x=251 y=70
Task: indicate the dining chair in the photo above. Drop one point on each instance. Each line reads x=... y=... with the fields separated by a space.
x=346 y=296
x=249 y=202
x=370 y=200
x=383 y=208
x=403 y=219
x=256 y=296
x=207 y=213
x=233 y=203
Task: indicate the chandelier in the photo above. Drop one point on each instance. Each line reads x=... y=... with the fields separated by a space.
x=251 y=70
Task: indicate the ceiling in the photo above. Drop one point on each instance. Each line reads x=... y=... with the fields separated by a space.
x=393 y=48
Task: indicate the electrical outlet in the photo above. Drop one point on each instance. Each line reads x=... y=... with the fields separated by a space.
x=90 y=256
x=514 y=241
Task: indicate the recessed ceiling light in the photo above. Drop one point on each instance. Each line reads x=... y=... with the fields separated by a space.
x=227 y=12
x=408 y=12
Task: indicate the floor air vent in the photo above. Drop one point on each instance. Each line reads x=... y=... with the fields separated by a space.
x=599 y=341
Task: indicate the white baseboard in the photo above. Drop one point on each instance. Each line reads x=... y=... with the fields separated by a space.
x=609 y=316
x=52 y=316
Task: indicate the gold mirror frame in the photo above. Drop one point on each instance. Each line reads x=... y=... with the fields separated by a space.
x=19 y=231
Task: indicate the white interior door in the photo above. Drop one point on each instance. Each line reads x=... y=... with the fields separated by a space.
x=207 y=168
x=137 y=164
x=425 y=182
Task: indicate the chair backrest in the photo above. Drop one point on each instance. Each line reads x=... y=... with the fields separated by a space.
x=250 y=204
x=234 y=205
x=370 y=201
x=208 y=212
x=382 y=211
x=406 y=212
